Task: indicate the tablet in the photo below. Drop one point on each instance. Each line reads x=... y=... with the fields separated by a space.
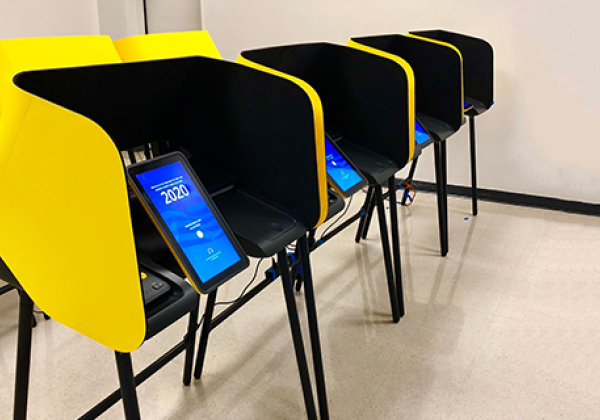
x=342 y=175
x=421 y=135
x=186 y=217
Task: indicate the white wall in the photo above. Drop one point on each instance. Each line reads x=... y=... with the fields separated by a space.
x=120 y=18
x=123 y=18
x=540 y=137
x=117 y=18
x=30 y=18
x=174 y=15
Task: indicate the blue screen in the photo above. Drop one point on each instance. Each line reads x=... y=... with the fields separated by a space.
x=339 y=169
x=420 y=135
x=189 y=219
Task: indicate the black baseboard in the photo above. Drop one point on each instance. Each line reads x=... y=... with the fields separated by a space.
x=517 y=199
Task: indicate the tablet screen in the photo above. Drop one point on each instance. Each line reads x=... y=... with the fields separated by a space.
x=339 y=169
x=189 y=219
x=421 y=135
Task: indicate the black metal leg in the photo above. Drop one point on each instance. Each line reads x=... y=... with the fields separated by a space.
x=439 y=180
x=411 y=174
x=190 y=338
x=290 y=301
x=473 y=165
x=127 y=382
x=206 y=327
x=5 y=289
x=385 y=245
x=299 y=281
x=139 y=379
x=365 y=208
x=396 y=244
x=23 y=356
x=368 y=217
x=444 y=161
x=147 y=154
x=131 y=155
x=313 y=325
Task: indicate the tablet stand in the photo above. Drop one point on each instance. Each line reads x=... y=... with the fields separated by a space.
x=255 y=238
x=366 y=101
x=50 y=143
x=198 y=105
x=478 y=62
x=439 y=101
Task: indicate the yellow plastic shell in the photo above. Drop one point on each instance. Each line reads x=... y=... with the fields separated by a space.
x=167 y=45
x=64 y=207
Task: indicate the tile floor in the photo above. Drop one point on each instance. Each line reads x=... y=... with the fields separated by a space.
x=506 y=327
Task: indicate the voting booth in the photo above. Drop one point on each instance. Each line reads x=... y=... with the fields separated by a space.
x=198 y=106
x=369 y=107
x=478 y=65
x=72 y=230
x=439 y=99
x=270 y=178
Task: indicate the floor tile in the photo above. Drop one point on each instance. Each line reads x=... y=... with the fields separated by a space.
x=504 y=327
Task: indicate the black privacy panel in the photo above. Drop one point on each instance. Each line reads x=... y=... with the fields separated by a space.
x=364 y=97
x=255 y=125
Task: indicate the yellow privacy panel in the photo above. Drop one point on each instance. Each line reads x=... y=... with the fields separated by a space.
x=65 y=221
x=18 y=55
x=435 y=41
x=167 y=45
x=410 y=77
x=319 y=130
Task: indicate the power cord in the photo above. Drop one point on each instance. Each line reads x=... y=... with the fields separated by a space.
x=245 y=288
x=239 y=297
x=346 y=208
x=411 y=199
